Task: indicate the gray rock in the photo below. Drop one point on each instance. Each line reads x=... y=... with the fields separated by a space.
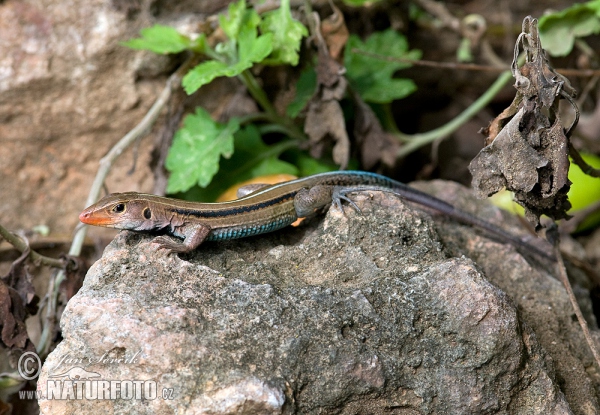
x=348 y=314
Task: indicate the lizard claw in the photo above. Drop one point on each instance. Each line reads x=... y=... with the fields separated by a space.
x=167 y=243
x=339 y=194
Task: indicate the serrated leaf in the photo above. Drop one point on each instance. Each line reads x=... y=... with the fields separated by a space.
x=309 y=165
x=559 y=30
x=287 y=34
x=254 y=158
x=160 y=39
x=197 y=149
x=232 y=22
x=251 y=158
x=391 y=89
x=305 y=89
x=251 y=50
x=238 y=17
x=371 y=76
x=204 y=73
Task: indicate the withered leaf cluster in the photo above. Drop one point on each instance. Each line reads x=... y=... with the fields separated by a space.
x=527 y=145
x=324 y=118
x=17 y=302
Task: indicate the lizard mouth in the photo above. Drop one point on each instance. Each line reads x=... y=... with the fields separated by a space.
x=90 y=219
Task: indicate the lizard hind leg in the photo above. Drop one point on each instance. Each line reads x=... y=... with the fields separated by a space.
x=309 y=200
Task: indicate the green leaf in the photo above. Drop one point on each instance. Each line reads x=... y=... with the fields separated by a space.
x=287 y=33
x=251 y=50
x=252 y=158
x=309 y=165
x=204 y=73
x=384 y=92
x=238 y=18
x=559 y=30
x=373 y=77
x=163 y=40
x=305 y=89
x=196 y=150
x=232 y=22
x=585 y=190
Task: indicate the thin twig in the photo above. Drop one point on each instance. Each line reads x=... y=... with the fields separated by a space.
x=586 y=168
x=105 y=164
x=468 y=66
x=22 y=246
x=578 y=218
x=562 y=272
x=142 y=128
x=440 y=11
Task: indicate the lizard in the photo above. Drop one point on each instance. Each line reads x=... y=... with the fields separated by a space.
x=261 y=209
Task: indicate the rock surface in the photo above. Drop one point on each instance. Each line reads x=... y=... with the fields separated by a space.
x=355 y=313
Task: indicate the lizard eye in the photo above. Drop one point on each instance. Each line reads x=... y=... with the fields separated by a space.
x=119 y=208
x=147 y=213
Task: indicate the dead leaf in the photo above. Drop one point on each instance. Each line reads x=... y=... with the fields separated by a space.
x=12 y=318
x=75 y=274
x=507 y=162
x=498 y=123
x=17 y=302
x=330 y=79
x=5 y=408
x=376 y=145
x=527 y=147
x=326 y=119
x=20 y=279
x=335 y=33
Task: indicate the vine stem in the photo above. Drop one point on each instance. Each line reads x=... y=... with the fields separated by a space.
x=257 y=92
x=562 y=272
x=270 y=114
x=416 y=141
x=22 y=246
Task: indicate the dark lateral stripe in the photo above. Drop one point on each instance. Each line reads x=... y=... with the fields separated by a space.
x=236 y=210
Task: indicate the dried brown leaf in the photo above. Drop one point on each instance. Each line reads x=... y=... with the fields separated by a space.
x=5 y=408
x=20 y=279
x=529 y=154
x=12 y=318
x=335 y=33
x=330 y=76
x=326 y=119
x=75 y=275
x=508 y=162
x=376 y=145
x=498 y=123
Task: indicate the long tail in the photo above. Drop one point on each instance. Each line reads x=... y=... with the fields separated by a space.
x=406 y=192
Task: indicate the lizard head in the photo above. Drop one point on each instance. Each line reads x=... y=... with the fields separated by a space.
x=121 y=211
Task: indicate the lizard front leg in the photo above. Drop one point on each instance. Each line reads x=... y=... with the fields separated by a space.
x=193 y=235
